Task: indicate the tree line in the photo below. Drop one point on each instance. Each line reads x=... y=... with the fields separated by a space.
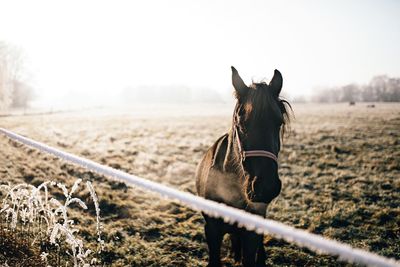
x=380 y=89
x=15 y=92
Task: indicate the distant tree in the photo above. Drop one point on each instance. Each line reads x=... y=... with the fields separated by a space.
x=22 y=94
x=394 y=89
x=5 y=88
x=377 y=87
x=380 y=88
x=369 y=94
x=12 y=85
x=350 y=93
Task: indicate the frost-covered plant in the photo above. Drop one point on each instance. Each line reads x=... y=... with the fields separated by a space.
x=97 y=208
x=31 y=209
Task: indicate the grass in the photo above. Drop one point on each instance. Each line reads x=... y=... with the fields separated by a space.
x=36 y=228
x=340 y=170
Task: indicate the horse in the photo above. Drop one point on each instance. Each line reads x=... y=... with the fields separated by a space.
x=241 y=168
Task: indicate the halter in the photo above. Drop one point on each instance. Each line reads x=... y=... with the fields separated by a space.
x=252 y=153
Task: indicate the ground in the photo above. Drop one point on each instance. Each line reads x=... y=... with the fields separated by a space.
x=339 y=167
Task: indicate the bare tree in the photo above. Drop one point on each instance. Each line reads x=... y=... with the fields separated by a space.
x=394 y=89
x=350 y=93
x=11 y=77
x=380 y=89
x=22 y=94
x=5 y=89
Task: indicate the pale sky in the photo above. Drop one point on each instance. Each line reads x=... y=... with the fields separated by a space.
x=103 y=46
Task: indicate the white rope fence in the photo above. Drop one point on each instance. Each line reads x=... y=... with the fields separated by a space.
x=229 y=214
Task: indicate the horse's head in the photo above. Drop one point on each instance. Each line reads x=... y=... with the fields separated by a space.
x=259 y=118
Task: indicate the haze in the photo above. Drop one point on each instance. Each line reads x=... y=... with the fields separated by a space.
x=92 y=50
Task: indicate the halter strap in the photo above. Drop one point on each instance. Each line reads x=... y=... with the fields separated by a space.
x=253 y=153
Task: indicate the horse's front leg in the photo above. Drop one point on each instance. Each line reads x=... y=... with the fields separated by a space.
x=251 y=245
x=261 y=255
x=260 y=208
x=214 y=235
x=236 y=246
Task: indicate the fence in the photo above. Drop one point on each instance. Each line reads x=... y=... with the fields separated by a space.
x=229 y=214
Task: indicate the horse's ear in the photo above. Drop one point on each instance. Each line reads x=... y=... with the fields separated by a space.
x=240 y=87
x=276 y=82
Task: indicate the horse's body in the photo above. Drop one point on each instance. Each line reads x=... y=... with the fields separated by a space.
x=250 y=183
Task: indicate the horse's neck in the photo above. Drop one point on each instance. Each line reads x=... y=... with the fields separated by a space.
x=232 y=160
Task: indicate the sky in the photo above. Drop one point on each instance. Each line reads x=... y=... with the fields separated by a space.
x=94 y=49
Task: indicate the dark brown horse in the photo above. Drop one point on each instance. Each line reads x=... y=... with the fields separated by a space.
x=241 y=168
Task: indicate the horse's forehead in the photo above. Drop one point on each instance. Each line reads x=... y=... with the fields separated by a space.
x=264 y=105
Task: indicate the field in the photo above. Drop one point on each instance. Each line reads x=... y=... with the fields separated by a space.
x=340 y=168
